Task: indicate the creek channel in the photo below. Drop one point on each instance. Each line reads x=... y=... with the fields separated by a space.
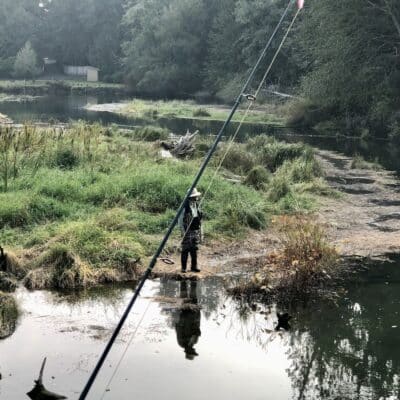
x=218 y=348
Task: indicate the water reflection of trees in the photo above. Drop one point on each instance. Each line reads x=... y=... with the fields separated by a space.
x=349 y=351
x=345 y=351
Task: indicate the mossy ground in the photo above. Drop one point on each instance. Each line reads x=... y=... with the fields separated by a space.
x=88 y=205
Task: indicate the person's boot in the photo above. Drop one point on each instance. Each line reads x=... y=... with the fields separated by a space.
x=193 y=255
x=184 y=260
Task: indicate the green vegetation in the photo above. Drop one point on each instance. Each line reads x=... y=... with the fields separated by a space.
x=353 y=83
x=189 y=109
x=8 y=315
x=89 y=204
x=359 y=162
x=26 y=63
x=204 y=49
x=305 y=268
x=42 y=87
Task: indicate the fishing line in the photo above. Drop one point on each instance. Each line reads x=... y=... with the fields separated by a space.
x=173 y=223
x=252 y=101
x=125 y=352
x=234 y=136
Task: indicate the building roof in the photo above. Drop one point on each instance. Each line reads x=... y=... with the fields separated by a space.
x=83 y=66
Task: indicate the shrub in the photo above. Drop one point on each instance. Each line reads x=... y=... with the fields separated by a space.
x=307 y=114
x=308 y=258
x=66 y=158
x=25 y=65
x=201 y=112
x=8 y=315
x=272 y=154
x=258 y=177
x=307 y=265
x=303 y=169
x=150 y=134
x=238 y=160
x=359 y=162
x=237 y=212
x=279 y=187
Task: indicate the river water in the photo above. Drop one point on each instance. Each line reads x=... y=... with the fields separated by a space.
x=217 y=348
x=221 y=350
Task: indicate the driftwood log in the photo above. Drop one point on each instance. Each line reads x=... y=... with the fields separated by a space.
x=39 y=392
x=181 y=146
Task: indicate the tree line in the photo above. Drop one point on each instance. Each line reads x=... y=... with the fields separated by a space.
x=343 y=56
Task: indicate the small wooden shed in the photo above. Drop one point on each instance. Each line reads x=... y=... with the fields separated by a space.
x=91 y=73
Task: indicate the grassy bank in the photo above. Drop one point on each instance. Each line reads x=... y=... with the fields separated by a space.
x=8 y=315
x=90 y=204
x=42 y=87
x=191 y=110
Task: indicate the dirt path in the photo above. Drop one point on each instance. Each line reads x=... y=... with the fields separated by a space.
x=364 y=222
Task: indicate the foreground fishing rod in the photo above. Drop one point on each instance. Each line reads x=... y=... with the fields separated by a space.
x=196 y=180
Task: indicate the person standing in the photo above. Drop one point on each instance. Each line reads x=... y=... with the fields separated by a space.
x=190 y=224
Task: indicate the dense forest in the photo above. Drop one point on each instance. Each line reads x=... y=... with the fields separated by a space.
x=342 y=59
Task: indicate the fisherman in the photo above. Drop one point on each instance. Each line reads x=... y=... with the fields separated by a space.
x=190 y=224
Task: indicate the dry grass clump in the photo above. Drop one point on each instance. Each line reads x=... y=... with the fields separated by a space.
x=59 y=268
x=8 y=315
x=10 y=263
x=8 y=283
x=39 y=278
x=359 y=162
x=306 y=266
x=309 y=261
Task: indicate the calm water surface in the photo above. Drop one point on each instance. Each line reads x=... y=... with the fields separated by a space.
x=225 y=351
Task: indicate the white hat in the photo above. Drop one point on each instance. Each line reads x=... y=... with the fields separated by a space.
x=195 y=193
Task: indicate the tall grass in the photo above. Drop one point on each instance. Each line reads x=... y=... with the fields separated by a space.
x=105 y=197
x=9 y=314
x=305 y=268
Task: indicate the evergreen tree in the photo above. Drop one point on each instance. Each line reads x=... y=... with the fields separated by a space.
x=25 y=65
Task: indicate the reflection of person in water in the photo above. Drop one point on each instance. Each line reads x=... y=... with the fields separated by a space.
x=188 y=321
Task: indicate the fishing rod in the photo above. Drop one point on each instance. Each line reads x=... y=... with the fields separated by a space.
x=171 y=227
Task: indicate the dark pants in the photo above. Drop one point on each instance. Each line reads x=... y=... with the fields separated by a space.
x=185 y=256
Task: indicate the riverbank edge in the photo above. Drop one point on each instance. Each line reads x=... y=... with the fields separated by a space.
x=246 y=257
x=120 y=108
x=53 y=87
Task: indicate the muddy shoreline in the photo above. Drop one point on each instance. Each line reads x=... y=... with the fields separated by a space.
x=363 y=224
